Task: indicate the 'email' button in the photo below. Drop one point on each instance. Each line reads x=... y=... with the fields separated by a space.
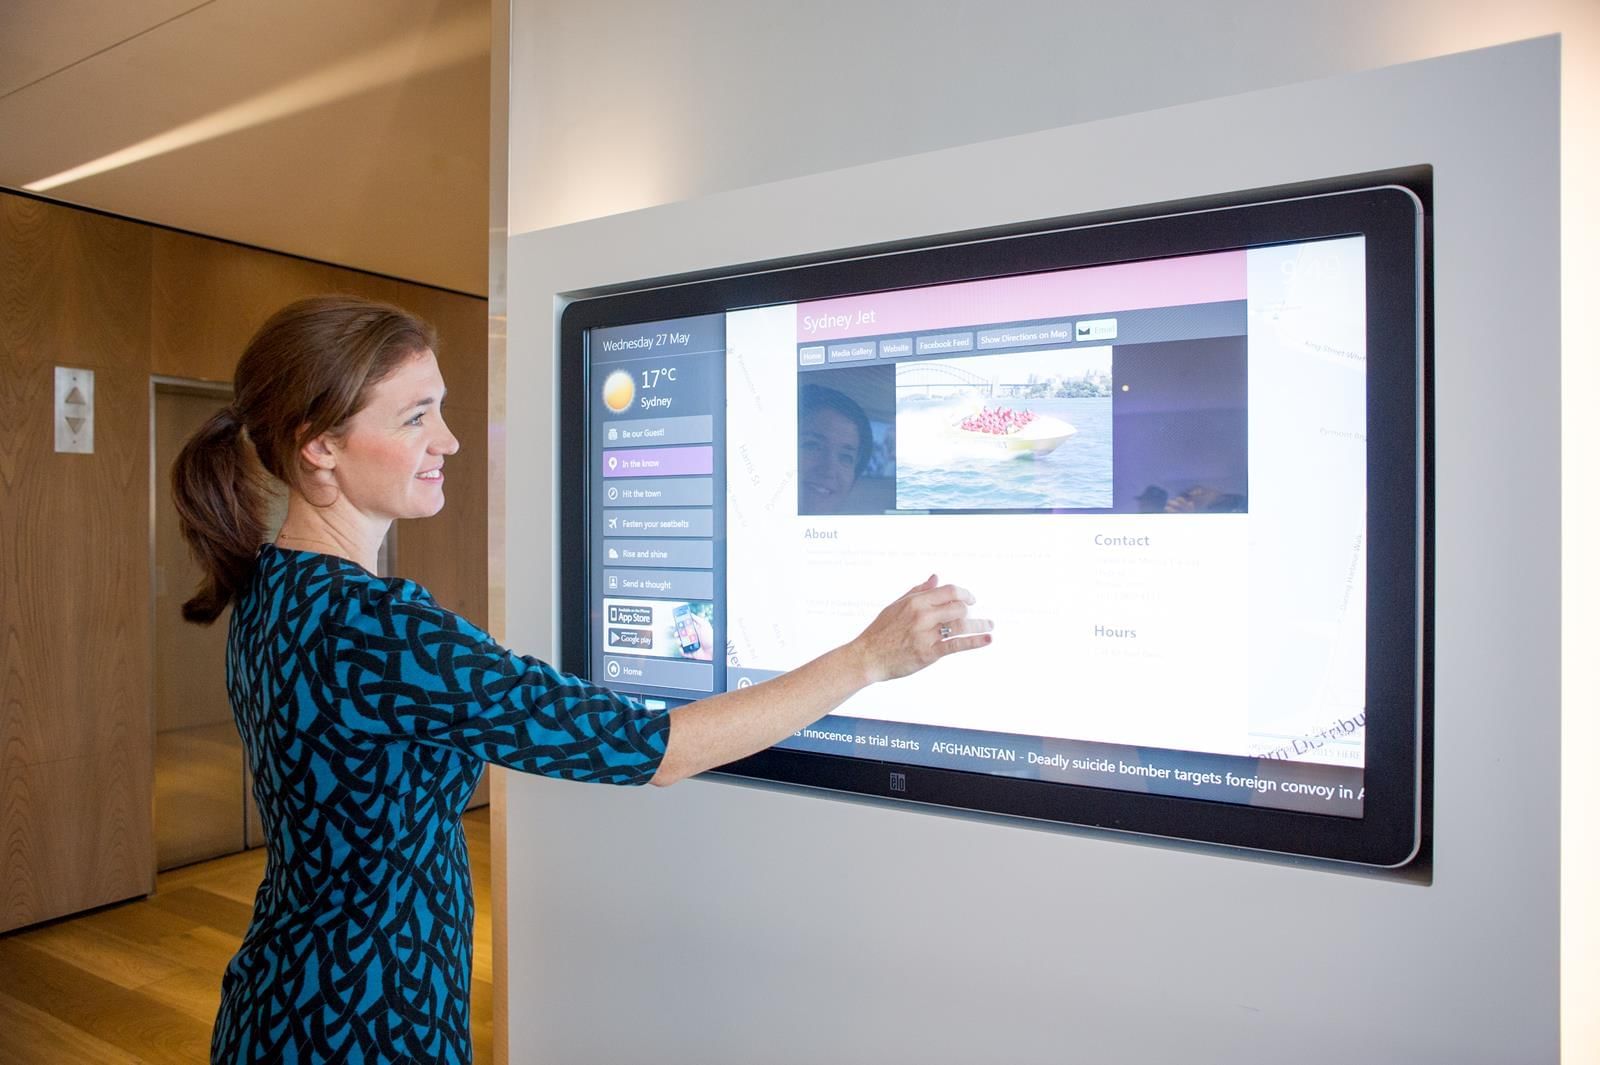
x=1095 y=329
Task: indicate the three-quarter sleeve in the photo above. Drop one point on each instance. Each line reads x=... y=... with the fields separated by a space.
x=397 y=666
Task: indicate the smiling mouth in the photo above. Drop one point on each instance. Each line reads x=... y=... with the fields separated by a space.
x=431 y=475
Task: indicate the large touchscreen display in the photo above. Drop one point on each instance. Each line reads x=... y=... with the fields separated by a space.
x=1152 y=475
x=1177 y=453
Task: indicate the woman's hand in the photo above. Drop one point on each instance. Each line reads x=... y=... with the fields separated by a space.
x=922 y=626
x=927 y=623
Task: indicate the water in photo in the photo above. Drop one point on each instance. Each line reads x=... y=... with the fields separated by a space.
x=1028 y=431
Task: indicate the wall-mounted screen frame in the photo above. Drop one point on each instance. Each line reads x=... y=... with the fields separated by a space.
x=1238 y=387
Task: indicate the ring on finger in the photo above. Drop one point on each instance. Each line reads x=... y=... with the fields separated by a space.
x=944 y=632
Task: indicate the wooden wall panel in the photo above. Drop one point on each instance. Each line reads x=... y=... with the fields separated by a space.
x=74 y=287
x=129 y=300
x=209 y=298
x=75 y=734
x=385 y=289
x=74 y=596
x=76 y=833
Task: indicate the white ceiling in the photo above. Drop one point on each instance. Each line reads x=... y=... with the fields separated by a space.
x=355 y=132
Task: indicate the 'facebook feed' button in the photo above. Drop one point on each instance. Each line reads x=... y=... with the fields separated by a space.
x=944 y=342
x=656 y=461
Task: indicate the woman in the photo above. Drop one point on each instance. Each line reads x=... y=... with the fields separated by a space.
x=367 y=710
x=835 y=448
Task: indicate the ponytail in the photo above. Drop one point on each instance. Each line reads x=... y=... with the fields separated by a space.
x=221 y=501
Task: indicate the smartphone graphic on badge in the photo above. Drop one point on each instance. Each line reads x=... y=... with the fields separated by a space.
x=688 y=635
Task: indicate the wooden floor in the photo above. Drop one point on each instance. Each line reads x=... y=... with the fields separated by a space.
x=140 y=981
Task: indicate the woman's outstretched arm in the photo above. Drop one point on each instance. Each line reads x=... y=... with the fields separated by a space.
x=908 y=635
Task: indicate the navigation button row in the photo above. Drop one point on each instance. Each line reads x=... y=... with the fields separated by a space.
x=1037 y=334
x=651 y=432
x=658 y=523
x=662 y=492
x=660 y=673
x=656 y=461
x=676 y=554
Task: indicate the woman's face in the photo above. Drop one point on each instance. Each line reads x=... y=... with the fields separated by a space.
x=830 y=446
x=390 y=461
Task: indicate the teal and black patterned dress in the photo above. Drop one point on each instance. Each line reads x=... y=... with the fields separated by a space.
x=367 y=711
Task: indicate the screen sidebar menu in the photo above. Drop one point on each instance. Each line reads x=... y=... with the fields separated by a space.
x=657 y=528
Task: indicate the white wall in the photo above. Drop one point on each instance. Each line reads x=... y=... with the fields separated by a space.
x=622 y=104
x=664 y=112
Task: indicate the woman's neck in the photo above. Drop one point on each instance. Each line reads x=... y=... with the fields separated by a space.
x=334 y=530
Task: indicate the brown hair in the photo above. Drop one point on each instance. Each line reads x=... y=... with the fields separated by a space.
x=305 y=373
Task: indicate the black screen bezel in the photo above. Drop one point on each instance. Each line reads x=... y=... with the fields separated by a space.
x=1391 y=212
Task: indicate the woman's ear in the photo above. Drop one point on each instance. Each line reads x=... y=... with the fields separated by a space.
x=318 y=453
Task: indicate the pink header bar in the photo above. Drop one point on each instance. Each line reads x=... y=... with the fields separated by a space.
x=1210 y=278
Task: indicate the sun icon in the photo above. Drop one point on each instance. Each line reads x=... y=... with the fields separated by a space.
x=618 y=391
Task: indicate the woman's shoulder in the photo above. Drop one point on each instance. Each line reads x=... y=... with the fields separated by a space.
x=334 y=603
x=306 y=578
